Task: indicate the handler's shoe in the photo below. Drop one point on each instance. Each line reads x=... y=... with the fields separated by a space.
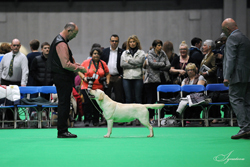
x=66 y=135
x=241 y=134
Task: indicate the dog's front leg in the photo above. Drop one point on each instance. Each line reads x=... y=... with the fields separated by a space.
x=110 y=125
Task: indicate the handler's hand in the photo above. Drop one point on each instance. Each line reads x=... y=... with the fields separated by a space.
x=226 y=82
x=82 y=69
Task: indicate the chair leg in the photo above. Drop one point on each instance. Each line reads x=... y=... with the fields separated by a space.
x=49 y=117
x=3 y=117
x=15 y=117
x=206 y=116
x=39 y=115
x=27 y=117
x=159 y=113
x=182 y=119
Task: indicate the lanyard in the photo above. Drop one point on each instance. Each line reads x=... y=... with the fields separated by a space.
x=96 y=66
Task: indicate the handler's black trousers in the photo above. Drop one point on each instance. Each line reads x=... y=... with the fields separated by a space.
x=64 y=86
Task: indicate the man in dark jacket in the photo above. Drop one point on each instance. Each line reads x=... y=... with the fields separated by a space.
x=112 y=57
x=39 y=71
x=34 y=46
x=194 y=51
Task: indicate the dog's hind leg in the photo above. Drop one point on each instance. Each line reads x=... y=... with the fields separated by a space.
x=110 y=126
x=146 y=123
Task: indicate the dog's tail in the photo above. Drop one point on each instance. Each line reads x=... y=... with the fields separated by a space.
x=154 y=106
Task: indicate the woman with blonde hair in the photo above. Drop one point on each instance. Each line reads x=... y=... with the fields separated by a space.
x=132 y=61
x=179 y=63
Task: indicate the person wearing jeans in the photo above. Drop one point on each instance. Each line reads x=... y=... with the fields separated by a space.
x=132 y=61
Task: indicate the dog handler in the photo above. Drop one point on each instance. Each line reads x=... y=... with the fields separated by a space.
x=63 y=67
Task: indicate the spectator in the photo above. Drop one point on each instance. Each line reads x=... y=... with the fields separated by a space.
x=168 y=48
x=17 y=74
x=132 y=61
x=63 y=67
x=237 y=75
x=179 y=63
x=95 y=45
x=39 y=71
x=156 y=74
x=194 y=51
x=124 y=45
x=208 y=70
x=4 y=48
x=112 y=57
x=208 y=67
x=219 y=54
x=96 y=71
x=193 y=78
x=34 y=46
x=14 y=69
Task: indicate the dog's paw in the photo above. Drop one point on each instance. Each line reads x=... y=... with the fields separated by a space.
x=106 y=136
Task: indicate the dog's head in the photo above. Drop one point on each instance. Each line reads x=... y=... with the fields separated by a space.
x=99 y=94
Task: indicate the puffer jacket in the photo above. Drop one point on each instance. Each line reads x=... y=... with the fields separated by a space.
x=132 y=65
x=39 y=71
x=156 y=65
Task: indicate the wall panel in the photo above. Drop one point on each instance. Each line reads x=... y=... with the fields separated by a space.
x=149 y=20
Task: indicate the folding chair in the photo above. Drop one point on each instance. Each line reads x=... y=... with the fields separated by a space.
x=166 y=89
x=218 y=88
x=46 y=90
x=26 y=91
x=192 y=89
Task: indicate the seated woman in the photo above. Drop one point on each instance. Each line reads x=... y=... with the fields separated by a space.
x=193 y=79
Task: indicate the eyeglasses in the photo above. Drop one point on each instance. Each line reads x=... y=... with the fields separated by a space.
x=190 y=70
x=95 y=53
x=114 y=41
x=15 y=45
x=183 y=49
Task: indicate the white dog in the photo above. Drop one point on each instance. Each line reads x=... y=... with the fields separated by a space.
x=118 y=112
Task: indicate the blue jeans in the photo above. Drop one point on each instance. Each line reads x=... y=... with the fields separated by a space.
x=133 y=90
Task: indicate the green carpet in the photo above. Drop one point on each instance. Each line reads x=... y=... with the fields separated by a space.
x=174 y=147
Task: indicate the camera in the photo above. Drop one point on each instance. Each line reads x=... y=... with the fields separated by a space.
x=103 y=82
x=90 y=82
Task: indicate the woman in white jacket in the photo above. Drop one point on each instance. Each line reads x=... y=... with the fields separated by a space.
x=132 y=61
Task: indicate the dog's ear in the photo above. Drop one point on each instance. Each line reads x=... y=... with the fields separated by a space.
x=101 y=97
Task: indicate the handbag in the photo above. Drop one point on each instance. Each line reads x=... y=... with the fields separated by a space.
x=178 y=79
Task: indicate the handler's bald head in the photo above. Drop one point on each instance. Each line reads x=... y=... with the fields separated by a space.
x=228 y=26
